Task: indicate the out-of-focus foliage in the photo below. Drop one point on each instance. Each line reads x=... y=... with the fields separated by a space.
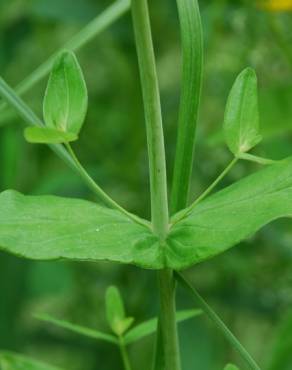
x=251 y=286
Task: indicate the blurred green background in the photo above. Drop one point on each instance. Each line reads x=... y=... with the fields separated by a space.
x=250 y=286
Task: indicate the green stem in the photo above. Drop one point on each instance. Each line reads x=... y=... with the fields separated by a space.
x=92 y=29
x=218 y=322
x=152 y=108
x=171 y=354
x=31 y=118
x=124 y=354
x=186 y=211
x=158 y=184
x=256 y=159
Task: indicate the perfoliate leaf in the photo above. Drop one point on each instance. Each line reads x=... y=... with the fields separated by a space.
x=231 y=367
x=230 y=216
x=149 y=327
x=241 y=120
x=81 y=330
x=65 y=102
x=44 y=135
x=49 y=227
x=14 y=361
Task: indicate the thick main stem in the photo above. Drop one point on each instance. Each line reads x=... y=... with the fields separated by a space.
x=157 y=166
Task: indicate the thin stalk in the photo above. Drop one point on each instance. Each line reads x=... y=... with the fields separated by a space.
x=186 y=211
x=91 y=30
x=218 y=322
x=97 y=189
x=124 y=354
x=32 y=119
x=257 y=159
x=157 y=166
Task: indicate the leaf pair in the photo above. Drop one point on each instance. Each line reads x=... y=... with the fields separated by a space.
x=118 y=322
x=49 y=227
x=65 y=103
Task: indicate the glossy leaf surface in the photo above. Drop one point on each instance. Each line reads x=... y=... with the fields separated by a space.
x=241 y=120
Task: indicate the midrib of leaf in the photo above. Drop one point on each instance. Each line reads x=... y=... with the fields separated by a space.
x=67 y=97
x=242 y=109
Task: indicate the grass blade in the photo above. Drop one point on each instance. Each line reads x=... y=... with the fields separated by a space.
x=192 y=56
x=94 y=334
x=218 y=322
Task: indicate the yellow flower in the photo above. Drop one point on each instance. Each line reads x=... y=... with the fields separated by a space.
x=276 y=5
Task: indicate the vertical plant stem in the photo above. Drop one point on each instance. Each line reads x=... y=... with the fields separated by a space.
x=169 y=333
x=158 y=184
x=124 y=354
x=152 y=108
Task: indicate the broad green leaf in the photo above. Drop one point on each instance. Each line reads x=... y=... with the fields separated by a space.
x=241 y=120
x=49 y=227
x=230 y=216
x=231 y=367
x=14 y=361
x=94 y=334
x=44 y=135
x=65 y=102
x=149 y=327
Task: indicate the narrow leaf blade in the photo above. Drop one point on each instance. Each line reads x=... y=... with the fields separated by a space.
x=241 y=120
x=231 y=215
x=49 y=227
x=65 y=102
x=192 y=76
x=44 y=135
x=14 y=361
x=78 y=329
x=149 y=327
